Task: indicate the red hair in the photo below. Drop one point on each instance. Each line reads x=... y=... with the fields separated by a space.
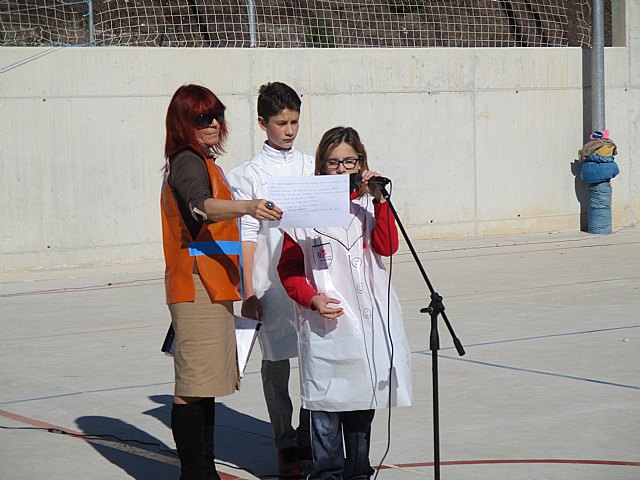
x=187 y=103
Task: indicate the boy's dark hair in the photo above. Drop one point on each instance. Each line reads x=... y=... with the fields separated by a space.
x=275 y=97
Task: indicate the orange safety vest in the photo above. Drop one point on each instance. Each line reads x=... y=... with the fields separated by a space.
x=216 y=250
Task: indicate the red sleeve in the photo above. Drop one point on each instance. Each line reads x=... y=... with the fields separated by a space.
x=384 y=238
x=291 y=272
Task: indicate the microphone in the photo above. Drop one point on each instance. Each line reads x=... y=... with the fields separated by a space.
x=382 y=181
x=355 y=179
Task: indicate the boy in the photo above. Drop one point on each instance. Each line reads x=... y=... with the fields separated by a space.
x=265 y=298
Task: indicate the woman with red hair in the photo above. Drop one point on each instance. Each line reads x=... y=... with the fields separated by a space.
x=201 y=240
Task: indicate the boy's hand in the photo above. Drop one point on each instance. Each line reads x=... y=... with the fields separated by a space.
x=252 y=308
x=322 y=304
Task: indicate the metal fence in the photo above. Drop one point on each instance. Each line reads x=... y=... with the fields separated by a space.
x=298 y=23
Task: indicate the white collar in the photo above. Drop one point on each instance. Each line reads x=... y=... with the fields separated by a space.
x=275 y=155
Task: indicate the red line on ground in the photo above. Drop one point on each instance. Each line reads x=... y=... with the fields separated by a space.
x=37 y=423
x=75 y=434
x=532 y=460
x=228 y=476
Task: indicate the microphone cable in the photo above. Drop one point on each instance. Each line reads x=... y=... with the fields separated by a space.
x=390 y=271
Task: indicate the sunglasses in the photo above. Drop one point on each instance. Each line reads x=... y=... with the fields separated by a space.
x=206 y=119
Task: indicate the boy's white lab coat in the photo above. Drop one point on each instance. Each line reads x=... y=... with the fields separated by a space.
x=344 y=363
x=277 y=335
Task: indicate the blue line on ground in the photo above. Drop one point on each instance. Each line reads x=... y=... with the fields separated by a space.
x=70 y=394
x=538 y=337
x=419 y=352
x=539 y=372
x=99 y=390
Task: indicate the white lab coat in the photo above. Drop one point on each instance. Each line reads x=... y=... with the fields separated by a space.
x=277 y=335
x=344 y=363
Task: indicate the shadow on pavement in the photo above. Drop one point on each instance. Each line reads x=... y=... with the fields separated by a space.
x=240 y=440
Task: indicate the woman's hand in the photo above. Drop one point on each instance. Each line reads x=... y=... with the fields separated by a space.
x=218 y=210
x=263 y=210
x=321 y=303
x=374 y=189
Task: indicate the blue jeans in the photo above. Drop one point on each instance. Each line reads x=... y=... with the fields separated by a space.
x=327 y=431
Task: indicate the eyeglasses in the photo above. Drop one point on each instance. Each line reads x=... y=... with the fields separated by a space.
x=206 y=119
x=348 y=163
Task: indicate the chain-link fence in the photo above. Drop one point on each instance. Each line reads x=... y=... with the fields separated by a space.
x=299 y=23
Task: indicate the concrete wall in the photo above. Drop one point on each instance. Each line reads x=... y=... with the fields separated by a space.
x=478 y=141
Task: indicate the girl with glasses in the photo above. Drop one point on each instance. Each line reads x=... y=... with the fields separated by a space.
x=354 y=355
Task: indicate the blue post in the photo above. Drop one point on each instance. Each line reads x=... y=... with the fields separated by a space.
x=600 y=208
x=597 y=170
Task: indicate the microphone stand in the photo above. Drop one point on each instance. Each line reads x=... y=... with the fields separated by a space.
x=435 y=308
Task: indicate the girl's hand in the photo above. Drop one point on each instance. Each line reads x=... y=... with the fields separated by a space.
x=322 y=304
x=374 y=189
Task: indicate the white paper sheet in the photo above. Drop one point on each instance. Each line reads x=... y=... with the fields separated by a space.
x=318 y=201
x=246 y=333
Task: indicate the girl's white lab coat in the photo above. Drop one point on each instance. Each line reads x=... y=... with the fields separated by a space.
x=345 y=362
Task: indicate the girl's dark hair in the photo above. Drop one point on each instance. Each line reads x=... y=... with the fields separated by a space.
x=187 y=103
x=334 y=137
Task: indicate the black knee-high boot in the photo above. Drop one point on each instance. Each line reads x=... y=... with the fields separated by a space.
x=209 y=423
x=187 y=425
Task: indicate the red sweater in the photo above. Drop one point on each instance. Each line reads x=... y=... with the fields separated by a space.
x=384 y=241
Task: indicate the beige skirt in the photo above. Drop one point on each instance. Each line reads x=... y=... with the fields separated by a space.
x=205 y=359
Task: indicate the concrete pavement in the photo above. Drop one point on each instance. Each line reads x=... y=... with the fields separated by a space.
x=549 y=387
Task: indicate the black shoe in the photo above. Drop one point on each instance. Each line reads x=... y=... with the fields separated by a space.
x=289 y=462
